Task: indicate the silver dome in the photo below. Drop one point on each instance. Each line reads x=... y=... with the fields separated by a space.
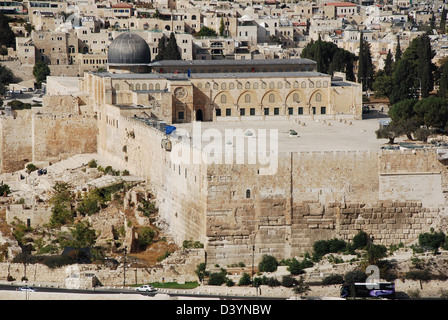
x=128 y=48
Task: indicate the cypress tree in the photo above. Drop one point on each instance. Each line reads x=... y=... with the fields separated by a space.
x=398 y=52
x=160 y=49
x=171 y=50
x=443 y=84
x=365 y=65
x=388 y=64
x=443 y=21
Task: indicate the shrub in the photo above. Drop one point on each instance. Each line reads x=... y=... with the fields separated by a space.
x=333 y=279
x=432 y=240
x=245 y=280
x=92 y=163
x=272 y=282
x=355 y=276
x=289 y=281
x=360 y=240
x=4 y=190
x=423 y=275
x=268 y=264
x=322 y=247
x=217 y=279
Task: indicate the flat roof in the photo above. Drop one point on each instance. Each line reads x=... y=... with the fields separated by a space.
x=312 y=135
x=251 y=62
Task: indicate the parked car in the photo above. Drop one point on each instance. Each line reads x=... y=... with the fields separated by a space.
x=26 y=288
x=145 y=288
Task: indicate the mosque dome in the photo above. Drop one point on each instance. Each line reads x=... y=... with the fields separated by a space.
x=128 y=49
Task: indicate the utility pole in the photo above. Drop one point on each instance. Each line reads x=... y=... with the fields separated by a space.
x=124 y=266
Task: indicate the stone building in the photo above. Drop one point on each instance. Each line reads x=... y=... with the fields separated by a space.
x=238 y=210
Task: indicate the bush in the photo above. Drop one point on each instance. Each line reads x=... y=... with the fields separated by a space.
x=432 y=240
x=245 y=280
x=360 y=240
x=355 y=276
x=322 y=247
x=268 y=264
x=217 y=279
x=333 y=279
x=289 y=281
x=423 y=275
x=272 y=282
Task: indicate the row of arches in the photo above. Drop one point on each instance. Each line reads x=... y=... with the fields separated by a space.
x=264 y=85
x=271 y=97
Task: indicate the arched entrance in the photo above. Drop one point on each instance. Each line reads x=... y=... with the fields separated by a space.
x=199 y=116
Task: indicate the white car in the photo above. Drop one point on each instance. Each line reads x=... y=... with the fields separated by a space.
x=145 y=288
x=26 y=288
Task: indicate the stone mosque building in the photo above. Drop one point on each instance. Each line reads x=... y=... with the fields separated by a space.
x=236 y=212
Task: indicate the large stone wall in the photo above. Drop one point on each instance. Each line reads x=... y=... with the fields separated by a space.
x=320 y=195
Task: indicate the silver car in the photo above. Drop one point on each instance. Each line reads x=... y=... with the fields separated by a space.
x=145 y=288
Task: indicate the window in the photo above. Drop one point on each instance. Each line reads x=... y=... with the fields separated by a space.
x=180 y=115
x=228 y=112
x=290 y=110
x=223 y=99
x=318 y=97
x=247 y=98
x=276 y=111
x=231 y=86
x=247 y=194
x=218 y=112
x=300 y=110
x=323 y=110
x=252 y=111
x=242 y=112
x=223 y=86
x=295 y=97
x=266 y=111
x=247 y=86
x=314 y=110
x=271 y=98
x=303 y=84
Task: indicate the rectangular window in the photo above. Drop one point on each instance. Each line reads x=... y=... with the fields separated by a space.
x=266 y=111
x=218 y=112
x=228 y=112
x=323 y=110
x=252 y=111
x=314 y=110
x=290 y=111
x=300 y=110
x=276 y=111
x=242 y=112
x=180 y=115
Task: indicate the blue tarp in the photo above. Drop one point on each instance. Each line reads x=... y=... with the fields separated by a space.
x=169 y=129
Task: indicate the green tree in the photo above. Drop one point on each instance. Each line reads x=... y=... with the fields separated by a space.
x=145 y=237
x=40 y=72
x=62 y=212
x=432 y=112
x=268 y=264
x=82 y=236
x=245 y=280
x=172 y=50
x=330 y=58
x=160 y=49
x=388 y=64
x=398 y=52
x=402 y=113
x=6 y=77
x=301 y=288
x=443 y=83
x=7 y=36
x=221 y=27
x=360 y=240
x=402 y=81
x=375 y=252
x=443 y=21
x=365 y=65
x=390 y=132
x=206 y=32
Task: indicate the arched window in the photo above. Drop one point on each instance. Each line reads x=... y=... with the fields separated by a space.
x=157 y=86
x=318 y=97
x=247 y=85
x=117 y=86
x=318 y=84
x=231 y=86
x=255 y=85
x=247 y=98
x=223 y=86
x=215 y=86
x=144 y=87
x=295 y=97
x=279 y=85
x=296 y=84
x=325 y=84
x=271 y=85
x=223 y=99
x=247 y=194
x=271 y=98
x=137 y=87
x=207 y=85
x=151 y=86
x=303 y=84
x=199 y=85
